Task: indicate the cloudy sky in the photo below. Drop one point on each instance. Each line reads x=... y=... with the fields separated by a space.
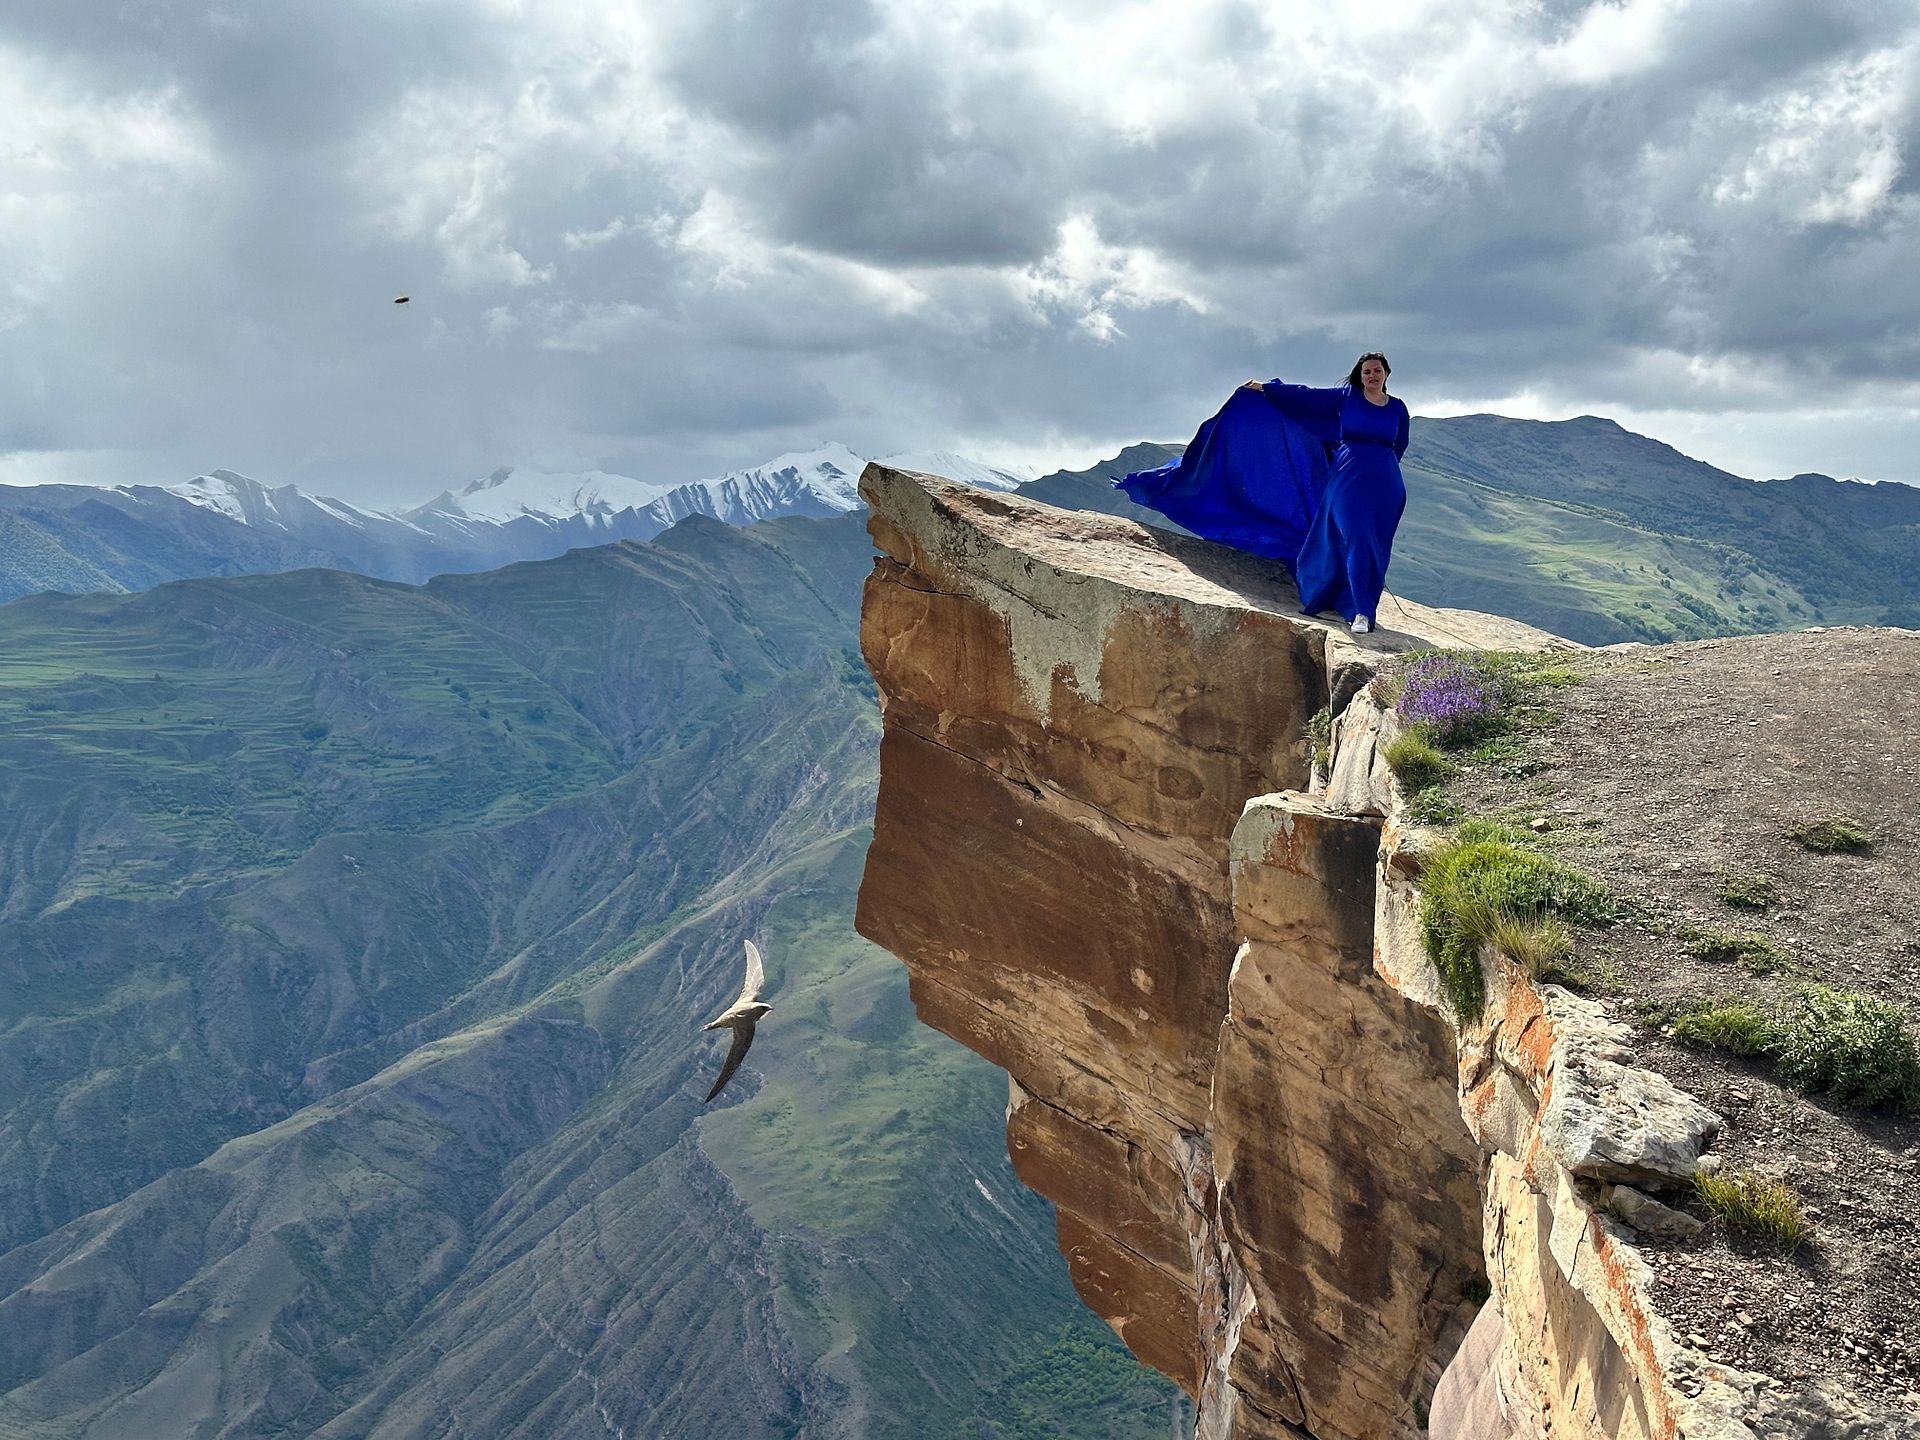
x=673 y=237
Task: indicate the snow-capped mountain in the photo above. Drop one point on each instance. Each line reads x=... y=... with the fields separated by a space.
x=595 y=506
x=242 y=498
x=518 y=514
x=822 y=481
x=79 y=537
x=958 y=467
x=825 y=481
x=515 y=493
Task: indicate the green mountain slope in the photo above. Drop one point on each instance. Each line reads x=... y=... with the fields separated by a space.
x=32 y=557
x=1602 y=535
x=1593 y=575
x=1852 y=549
x=357 y=936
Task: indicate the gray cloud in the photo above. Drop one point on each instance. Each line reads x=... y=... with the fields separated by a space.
x=681 y=240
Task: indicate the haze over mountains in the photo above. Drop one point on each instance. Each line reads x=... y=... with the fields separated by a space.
x=77 y=538
x=1578 y=526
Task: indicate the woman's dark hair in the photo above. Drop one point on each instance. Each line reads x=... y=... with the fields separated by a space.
x=1353 y=375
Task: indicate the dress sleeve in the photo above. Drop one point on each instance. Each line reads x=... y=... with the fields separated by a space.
x=1400 y=438
x=1316 y=409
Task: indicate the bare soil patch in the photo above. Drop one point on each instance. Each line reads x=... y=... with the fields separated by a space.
x=1676 y=774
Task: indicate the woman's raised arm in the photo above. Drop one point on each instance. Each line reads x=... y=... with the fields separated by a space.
x=1317 y=408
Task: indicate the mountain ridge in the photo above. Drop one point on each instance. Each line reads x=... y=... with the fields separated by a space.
x=78 y=538
x=1592 y=531
x=1579 y=525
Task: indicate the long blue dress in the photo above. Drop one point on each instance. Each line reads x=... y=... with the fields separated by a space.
x=1306 y=475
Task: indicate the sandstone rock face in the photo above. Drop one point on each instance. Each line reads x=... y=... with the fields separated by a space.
x=1284 y=1171
x=1614 y=1121
x=1346 y=1178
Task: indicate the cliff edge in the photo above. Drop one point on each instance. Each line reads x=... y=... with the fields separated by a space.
x=1286 y=1172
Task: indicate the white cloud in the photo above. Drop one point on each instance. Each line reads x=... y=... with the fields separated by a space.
x=1614 y=40
x=1827 y=152
x=73 y=163
x=1089 y=279
x=55 y=126
x=668 y=231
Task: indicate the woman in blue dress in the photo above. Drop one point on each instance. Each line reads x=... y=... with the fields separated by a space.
x=1309 y=476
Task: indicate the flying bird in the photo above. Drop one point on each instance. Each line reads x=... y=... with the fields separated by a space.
x=740 y=1017
x=401 y=299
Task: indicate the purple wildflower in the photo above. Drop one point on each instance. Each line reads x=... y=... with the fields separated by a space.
x=1452 y=697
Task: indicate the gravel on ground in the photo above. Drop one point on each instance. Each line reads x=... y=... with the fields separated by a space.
x=1675 y=774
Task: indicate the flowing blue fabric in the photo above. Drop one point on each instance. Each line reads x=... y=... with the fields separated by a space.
x=1309 y=476
x=1251 y=478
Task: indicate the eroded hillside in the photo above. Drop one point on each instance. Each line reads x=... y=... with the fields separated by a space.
x=354 y=940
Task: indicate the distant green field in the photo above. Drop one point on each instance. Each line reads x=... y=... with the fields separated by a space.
x=239 y=722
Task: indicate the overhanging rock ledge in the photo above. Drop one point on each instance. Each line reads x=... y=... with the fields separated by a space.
x=1283 y=1172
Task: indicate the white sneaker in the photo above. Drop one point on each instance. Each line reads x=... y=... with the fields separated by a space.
x=1361 y=625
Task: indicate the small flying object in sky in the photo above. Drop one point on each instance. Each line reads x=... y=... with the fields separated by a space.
x=401 y=299
x=740 y=1017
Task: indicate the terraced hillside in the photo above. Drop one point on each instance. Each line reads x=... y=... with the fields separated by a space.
x=355 y=939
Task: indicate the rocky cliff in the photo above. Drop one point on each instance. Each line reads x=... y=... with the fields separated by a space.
x=1286 y=1172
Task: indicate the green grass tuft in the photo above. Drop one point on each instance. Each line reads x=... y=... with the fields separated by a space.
x=1501 y=749
x=1747 y=892
x=1471 y=889
x=1528 y=667
x=1320 y=737
x=1417 y=763
x=1851 y=1047
x=1473 y=831
x=1755 y=953
x=1432 y=807
x=1544 y=949
x=1738 y=1027
x=1755 y=1205
x=1832 y=835
x=1539 y=944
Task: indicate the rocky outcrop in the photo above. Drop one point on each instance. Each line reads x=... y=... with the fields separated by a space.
x=1284 y=1171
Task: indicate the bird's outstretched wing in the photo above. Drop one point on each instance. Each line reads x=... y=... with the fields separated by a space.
x=756 y=976
x=736 y=1052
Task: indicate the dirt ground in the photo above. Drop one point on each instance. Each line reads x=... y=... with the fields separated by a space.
x=1670 y=769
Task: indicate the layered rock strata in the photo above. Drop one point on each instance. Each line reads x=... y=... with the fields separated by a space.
x=1283 y=1172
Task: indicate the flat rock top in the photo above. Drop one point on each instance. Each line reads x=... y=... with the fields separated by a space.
x=1672 y=770
x=1158 y=562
